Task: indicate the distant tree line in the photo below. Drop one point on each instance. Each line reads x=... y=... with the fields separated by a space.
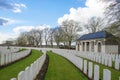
x=65 y=34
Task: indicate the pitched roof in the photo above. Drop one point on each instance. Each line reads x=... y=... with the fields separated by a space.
x=96 y=35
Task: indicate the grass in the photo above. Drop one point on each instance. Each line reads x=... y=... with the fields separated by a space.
x=115 y=74
x=12 y=71
x=61 y=69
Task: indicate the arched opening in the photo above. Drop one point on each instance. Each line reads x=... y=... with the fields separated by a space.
x=87 y=46
x=99 y=47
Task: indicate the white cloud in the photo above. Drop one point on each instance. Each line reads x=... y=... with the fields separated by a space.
x=17 y=7
x=8 y=5
x=94 y=8
x=6 y=21
x=41 y=27
x=18 y=29
x=22 y=28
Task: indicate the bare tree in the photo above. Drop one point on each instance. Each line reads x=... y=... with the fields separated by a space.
x=70 y=29
x=51 y=39
x=35 y=37
x=46 y=35
x=31 y=38
x=40 y=34
x=95 y=24
x=58 y=35
x=22 y=40
x=113 y=15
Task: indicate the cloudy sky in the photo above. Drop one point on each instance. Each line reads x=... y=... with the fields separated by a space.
x=23 y=15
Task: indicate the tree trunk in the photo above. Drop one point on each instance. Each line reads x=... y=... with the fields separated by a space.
x=46 y=44
x=58 y=44
x=69 y=44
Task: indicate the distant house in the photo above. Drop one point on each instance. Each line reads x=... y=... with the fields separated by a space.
x=98 y=42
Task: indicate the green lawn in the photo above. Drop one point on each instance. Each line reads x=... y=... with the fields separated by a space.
x=12 y=71
x=114 y=73
x=61 y=69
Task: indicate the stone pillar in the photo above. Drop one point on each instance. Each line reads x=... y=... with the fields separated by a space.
x=81 y=47
x=95 y=47
x=90 y=44
x=85 y=47
x=93 y=44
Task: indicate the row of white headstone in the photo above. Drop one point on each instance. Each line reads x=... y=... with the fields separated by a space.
x=82 y=65
x=5 y=50
x=7 y=58
x=94 y=72
x=104 y=59
x=31 y=71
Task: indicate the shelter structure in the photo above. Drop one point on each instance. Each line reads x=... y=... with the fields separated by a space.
x=98 y=42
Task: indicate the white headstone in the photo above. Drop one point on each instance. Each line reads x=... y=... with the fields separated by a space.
x=81 y=64
x=99 y=59
x=85 y=67
x=90 y=70
x=117 y=64
x=103 y=60
x=13 y=79
x=10 y=57
x=31 y=71
x=106 y=61
x=106 y=74
x=6 y=58
x=27 y=73
x=96 y=72
x=21 y=76
x=110 y=62
x=2 y=59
